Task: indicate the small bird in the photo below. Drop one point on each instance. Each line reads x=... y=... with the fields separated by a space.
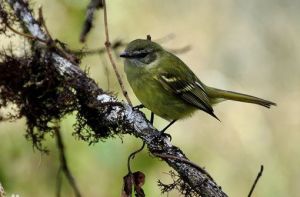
x=168 y=87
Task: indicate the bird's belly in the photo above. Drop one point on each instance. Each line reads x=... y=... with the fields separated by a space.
x=161 y=102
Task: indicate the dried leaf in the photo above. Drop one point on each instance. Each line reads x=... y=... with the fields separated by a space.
x=139 y=181
x=136 y=180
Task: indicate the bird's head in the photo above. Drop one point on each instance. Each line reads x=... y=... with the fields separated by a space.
x=141 y=52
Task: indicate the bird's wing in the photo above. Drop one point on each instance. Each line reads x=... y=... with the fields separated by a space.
x=190 y=90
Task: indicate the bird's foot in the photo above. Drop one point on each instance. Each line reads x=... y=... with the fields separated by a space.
x=141 y=106
x=162 y=132
x=166 y=135
x=161 y=136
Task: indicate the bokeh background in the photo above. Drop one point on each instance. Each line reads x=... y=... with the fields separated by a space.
x=247 y=46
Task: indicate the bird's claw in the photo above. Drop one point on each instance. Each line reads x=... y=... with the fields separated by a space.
x=166 y=135
x=141 y=106
x=161 y=136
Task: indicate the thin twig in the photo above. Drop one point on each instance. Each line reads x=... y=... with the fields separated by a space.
x=49 y=42
x=119 y=43
x=58 y=182
x=256 y=180
x=43 y=23
x=108 y=49
x=54 y=43
x=114 y=45
x=63 y=162
x=25 y=35
x=132 y=155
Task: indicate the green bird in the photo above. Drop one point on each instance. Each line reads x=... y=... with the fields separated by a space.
x=168 y=87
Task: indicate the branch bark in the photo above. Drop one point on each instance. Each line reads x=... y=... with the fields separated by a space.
x=120 y=115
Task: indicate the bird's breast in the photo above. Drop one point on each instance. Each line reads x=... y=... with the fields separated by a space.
x=156 y=98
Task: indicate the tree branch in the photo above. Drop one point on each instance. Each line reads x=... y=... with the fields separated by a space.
x=118 y=115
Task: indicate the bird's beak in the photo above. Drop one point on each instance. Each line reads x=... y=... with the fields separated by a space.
x=124 y=54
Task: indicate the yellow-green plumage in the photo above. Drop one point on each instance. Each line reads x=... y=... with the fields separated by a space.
x=151 y=93
x=167 y=87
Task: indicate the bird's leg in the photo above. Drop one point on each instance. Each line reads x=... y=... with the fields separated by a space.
x=170 y=124
x=162 y=132
x=152 y=118
x=141 y=106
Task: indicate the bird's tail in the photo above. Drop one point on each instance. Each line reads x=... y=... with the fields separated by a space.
x=218 y=95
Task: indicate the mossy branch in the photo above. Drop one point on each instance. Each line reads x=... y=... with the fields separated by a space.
x=102 y=112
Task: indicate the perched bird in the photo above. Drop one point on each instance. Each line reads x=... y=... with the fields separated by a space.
x=165 y=85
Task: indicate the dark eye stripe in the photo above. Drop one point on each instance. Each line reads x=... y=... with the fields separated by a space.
x=139 y=54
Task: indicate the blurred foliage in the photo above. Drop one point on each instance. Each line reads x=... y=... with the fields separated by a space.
x=248 y=46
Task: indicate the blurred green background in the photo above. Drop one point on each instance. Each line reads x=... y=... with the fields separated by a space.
x=247 y=46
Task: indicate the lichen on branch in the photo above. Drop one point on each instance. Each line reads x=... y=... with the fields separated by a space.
x=46 y=86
